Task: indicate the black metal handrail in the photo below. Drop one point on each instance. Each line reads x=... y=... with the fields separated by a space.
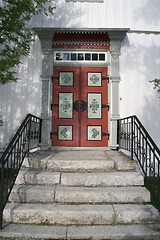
x=133 y=137
x=27 y=137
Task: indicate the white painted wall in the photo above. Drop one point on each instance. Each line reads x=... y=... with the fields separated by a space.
x=139 y=63
x=24 y=96
x=133 y=14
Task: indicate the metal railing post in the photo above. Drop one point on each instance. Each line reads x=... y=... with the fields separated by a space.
x=40 y=130
x=1 y=194
x=118 y=139
x=29 y=134
x=132 y=151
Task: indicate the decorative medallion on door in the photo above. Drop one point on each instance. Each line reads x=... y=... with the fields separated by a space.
x=94 y=133
x=94 y=105
x=65 y=105
x=79 y=117
x=94 y=79
x=66 y=79
x=65 y=133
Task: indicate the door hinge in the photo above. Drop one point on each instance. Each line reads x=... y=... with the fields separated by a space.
x=53 y=133
x=54 y=105
x=55 y=77
x=106 y=134
x=105 y=106
x=105 y=78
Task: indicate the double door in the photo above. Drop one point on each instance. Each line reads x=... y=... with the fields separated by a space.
x=80 y=106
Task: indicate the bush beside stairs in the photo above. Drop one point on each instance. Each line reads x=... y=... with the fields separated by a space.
x=85 y=194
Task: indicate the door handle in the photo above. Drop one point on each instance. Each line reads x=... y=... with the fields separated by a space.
x=79 y=106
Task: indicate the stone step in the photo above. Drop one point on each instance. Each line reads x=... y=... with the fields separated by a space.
x=102 y=232
x=81 y=179
x=80 y=165
x=70 y=165
x=80 y=214
x=36 y=177
x=82 y=161
x=102 y=195
x=79 y=195
x=102 y=179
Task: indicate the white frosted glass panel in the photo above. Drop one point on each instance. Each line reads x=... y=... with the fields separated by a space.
x=65 y=105
x=94 y=133
x=94 y=105
x=94 y=79
x=66 y=79
x=64 y=132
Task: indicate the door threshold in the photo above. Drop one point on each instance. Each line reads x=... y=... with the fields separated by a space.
x=79 y=148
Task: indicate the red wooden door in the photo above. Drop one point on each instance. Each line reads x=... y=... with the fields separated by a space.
x=80 y=106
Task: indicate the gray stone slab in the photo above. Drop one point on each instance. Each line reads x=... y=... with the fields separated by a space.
x=122 y=232
x=102 y=179
x=22 y=232
x=132 y=213
x=80 y=157
x=102 y=195
x=42 y=178
x=34 y=164
x=80 y=165
x=79 y=153
x=37 y=160
x=122 y=161
x=32 y=193
x=49 y=194
x=59 y=214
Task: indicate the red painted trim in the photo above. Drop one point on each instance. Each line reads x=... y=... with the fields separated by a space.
x=81 y=40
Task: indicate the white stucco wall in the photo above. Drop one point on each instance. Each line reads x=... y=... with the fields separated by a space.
x=133 y=14
x=139 y=63
x=139 y=60
x=22 y=97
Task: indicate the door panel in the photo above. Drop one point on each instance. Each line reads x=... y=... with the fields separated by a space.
x=65 y=121
x=79 y=106
x=94 y=121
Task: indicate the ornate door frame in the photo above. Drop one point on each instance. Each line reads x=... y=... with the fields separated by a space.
x=46 y=35
x=80 y=106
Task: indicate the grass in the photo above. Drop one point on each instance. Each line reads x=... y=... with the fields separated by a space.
x=45 y=222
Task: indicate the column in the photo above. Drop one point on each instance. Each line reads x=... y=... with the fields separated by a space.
x=47 y=68
x=115 y=46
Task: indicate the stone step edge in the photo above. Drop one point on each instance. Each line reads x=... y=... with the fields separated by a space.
x=125 y=232
x=58 y=214
x=79 y=195
x=80 y=165
x=81 y=179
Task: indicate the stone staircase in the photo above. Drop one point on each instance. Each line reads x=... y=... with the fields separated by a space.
x=80 y=195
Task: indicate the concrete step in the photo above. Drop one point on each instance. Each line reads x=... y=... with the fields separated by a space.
x=41 y=159
x=105 y=232
x=36 y=177
x=102 y=179
x=80 y=165
x=80 y=161
x=79 y=195
x=81 y=179
x=80 y=214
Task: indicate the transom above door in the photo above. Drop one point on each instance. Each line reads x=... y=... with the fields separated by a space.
x=80 y=106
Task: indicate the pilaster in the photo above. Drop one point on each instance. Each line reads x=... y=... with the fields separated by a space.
x=116 y=38
x=46 y=47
